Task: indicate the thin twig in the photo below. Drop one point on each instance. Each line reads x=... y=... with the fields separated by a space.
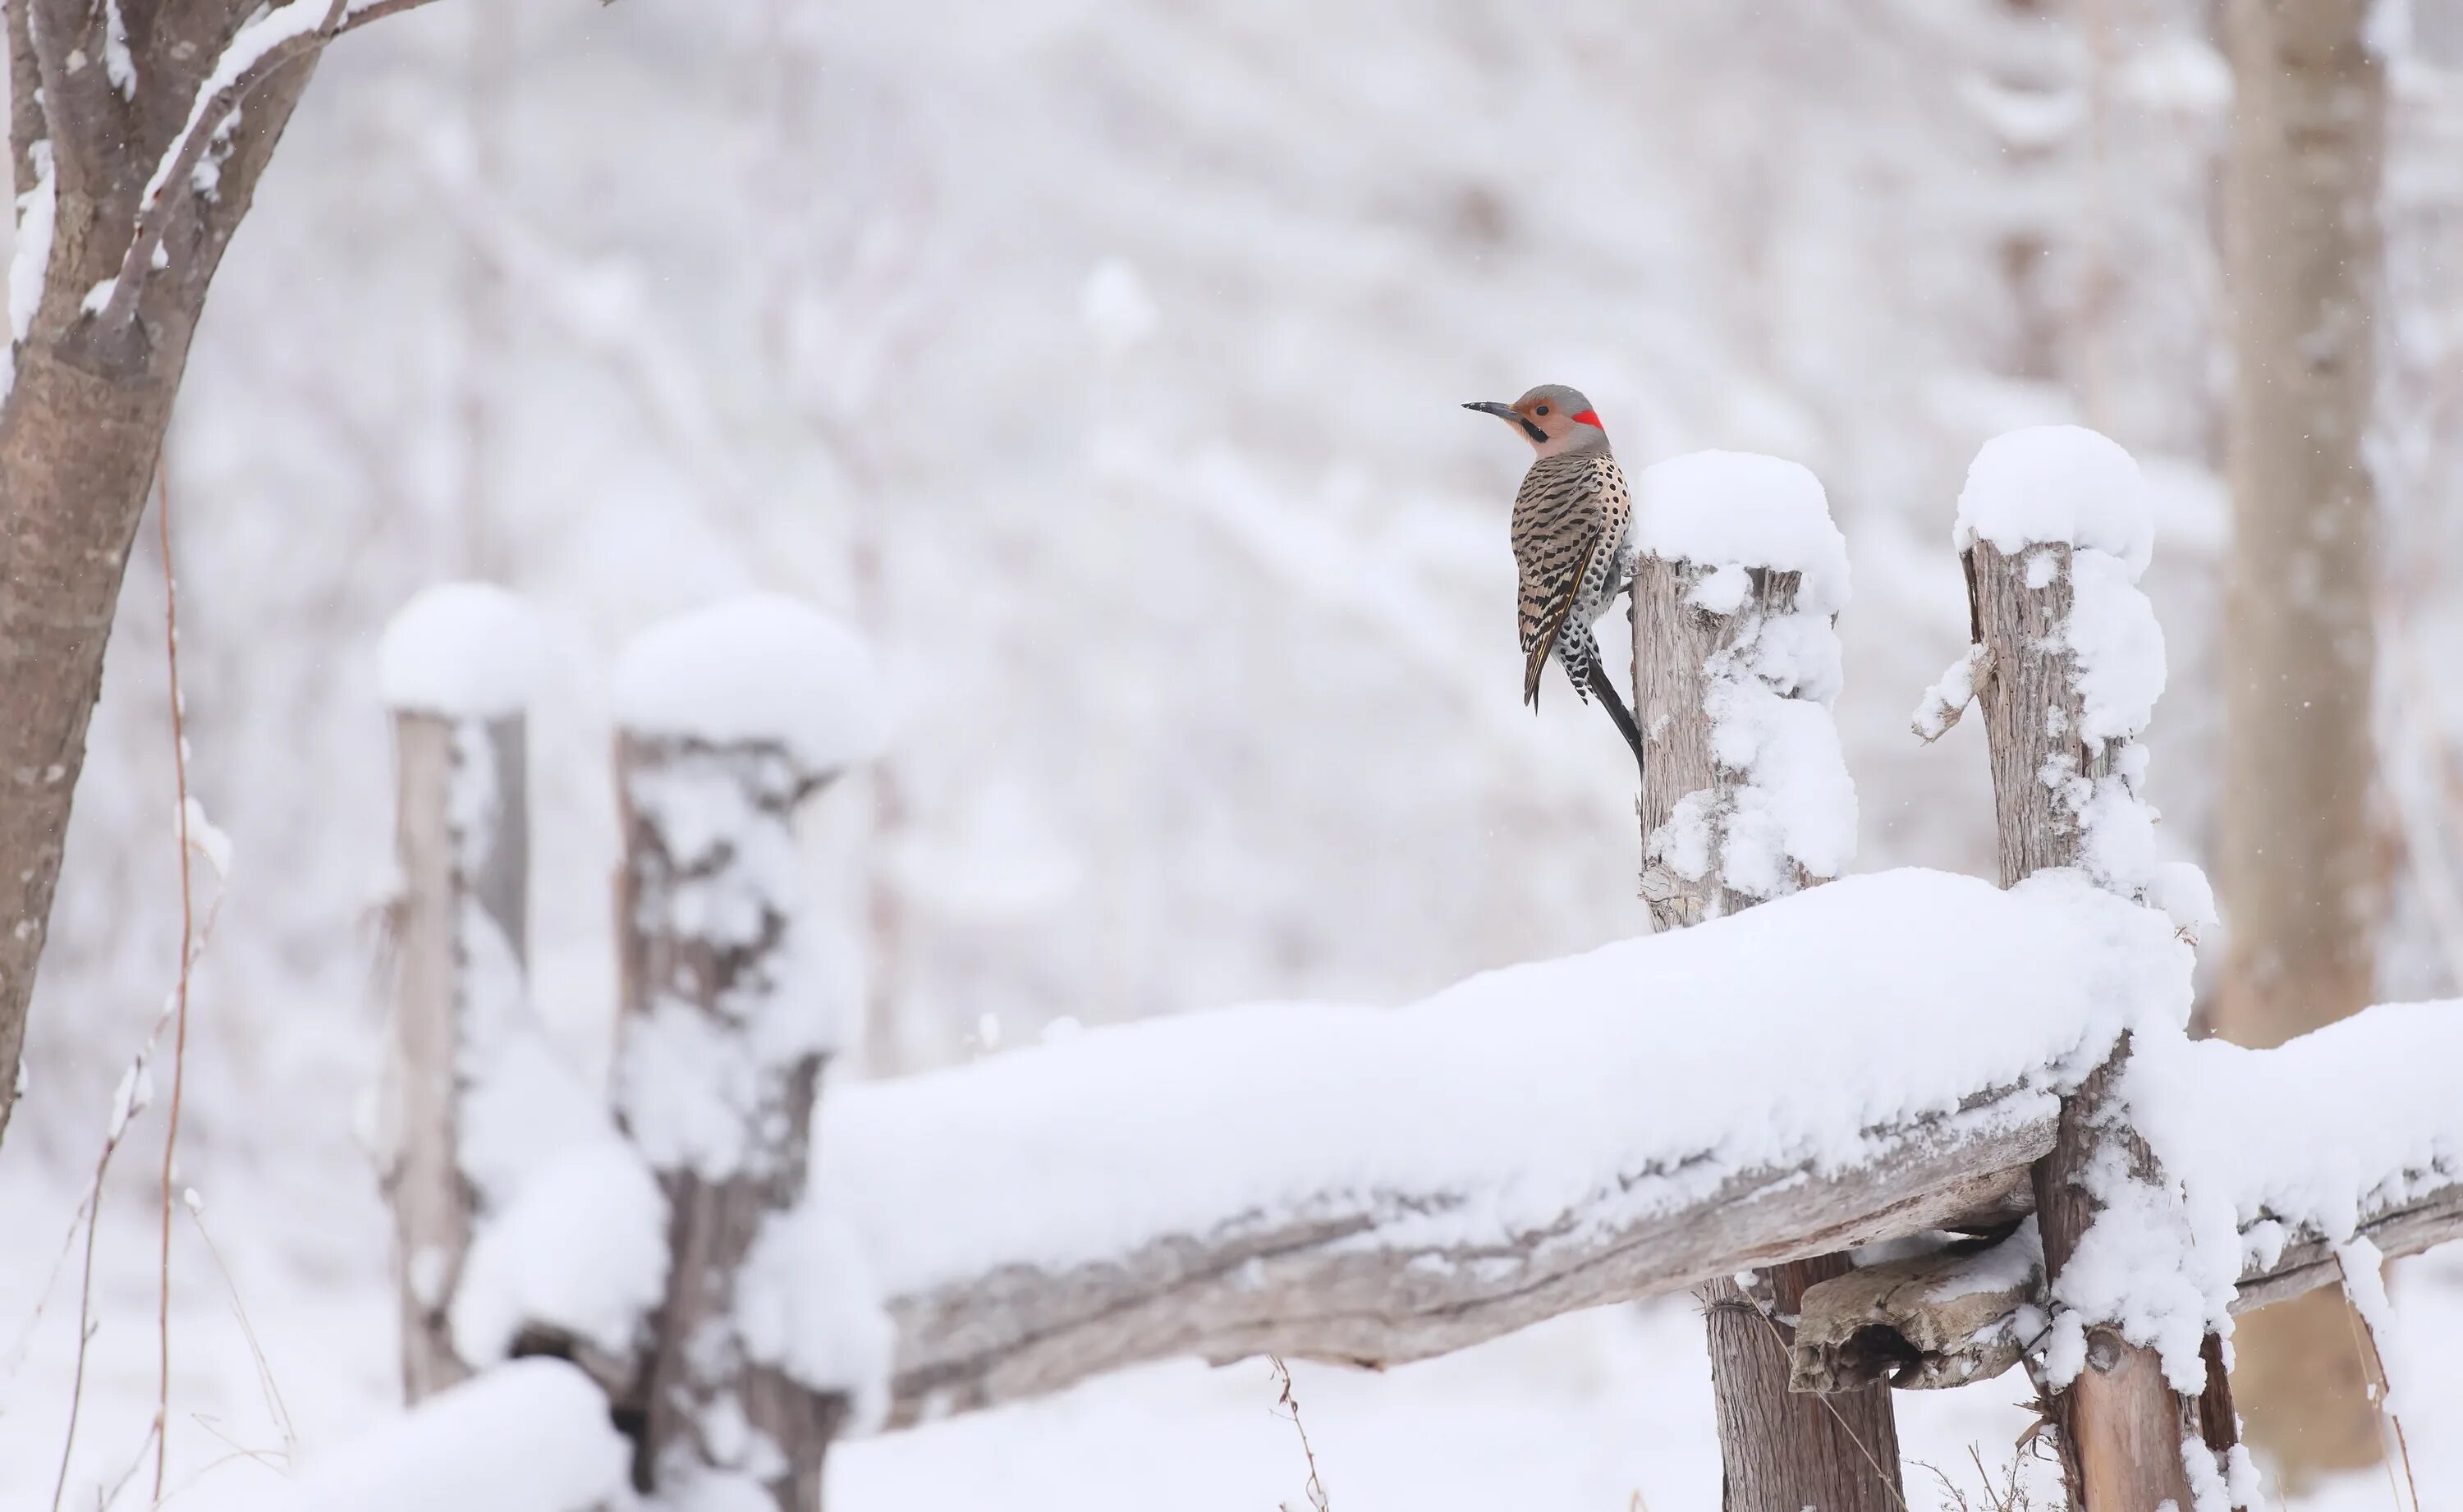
x=2365 y=1338
x=136 y=1461
x=25 y=1342
x=275 y=1407
x=265 y=1457
x=85 y=1311
x=188 y=946
x=1291 y=1408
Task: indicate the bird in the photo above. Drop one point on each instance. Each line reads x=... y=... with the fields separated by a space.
x=1570 y=520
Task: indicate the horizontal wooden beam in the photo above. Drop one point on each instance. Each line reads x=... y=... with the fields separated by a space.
x=1330 y=1287
x=2307 y=1262
x=1930 y=1322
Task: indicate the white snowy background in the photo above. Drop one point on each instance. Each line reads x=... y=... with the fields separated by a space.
x=1099 y=359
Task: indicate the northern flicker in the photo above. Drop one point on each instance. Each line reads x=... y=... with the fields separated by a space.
x=1569 y=536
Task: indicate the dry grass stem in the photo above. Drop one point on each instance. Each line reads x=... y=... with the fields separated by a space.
x=187 y=959
x=1287 y=1405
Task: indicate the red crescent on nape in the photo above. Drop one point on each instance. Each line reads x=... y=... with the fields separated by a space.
x=1590 y=418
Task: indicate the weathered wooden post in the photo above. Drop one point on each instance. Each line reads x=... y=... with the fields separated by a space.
x=1746 y=797
x=2054 y=530
x=456 y=669
x=728 y=719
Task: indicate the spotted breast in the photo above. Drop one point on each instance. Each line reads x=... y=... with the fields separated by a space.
x=1570 y=520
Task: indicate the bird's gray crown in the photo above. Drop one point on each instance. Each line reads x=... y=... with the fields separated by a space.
x=1563 y=400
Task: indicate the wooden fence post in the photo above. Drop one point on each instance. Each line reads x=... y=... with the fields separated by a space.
x=2061 y=768
x=728 y=719
x=1739 y=576
x=457 y=662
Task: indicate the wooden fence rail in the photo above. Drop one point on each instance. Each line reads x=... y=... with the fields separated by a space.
x=1345 y=1277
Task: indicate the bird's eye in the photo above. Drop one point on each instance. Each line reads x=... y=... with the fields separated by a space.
x=1541 y=410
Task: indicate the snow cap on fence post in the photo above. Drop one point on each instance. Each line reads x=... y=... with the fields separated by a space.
x=2071 y=503
x=760 y=670
x=460 y=650
x=1738 y=573
x=727 y=718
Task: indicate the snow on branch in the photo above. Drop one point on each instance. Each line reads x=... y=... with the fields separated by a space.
x=254 y=52
x=266 y=44
x=30 y=258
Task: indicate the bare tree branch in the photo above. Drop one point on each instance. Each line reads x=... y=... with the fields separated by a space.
x=258 y=50
x=47 y=31
x=253 y=55
x=367 y=11
x=25 y=85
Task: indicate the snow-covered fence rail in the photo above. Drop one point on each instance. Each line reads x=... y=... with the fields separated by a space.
x=1384 y=1185
x=2348 y=1132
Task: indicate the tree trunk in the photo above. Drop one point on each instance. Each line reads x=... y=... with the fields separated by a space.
x=465 y=866
x=81 y=424
x=2302 y=256
x=76 y=452
x=2121 y=1425
x=1782 y=1451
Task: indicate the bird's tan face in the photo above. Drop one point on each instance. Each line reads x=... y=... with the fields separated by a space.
x=1553 y=418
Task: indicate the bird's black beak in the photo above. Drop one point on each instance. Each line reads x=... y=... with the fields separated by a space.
x=1505 y=412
